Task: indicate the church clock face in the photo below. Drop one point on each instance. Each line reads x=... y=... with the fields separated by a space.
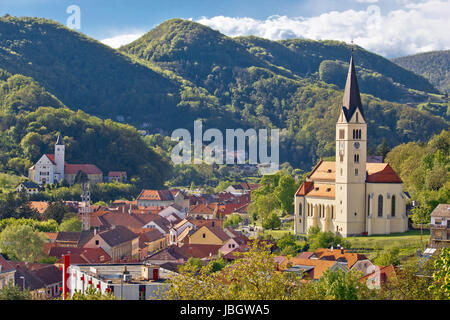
x=356 y=145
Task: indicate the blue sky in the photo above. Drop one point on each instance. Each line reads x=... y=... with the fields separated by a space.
x=388 y=27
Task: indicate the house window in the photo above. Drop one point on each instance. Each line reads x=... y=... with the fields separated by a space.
x=393 y=206
x=97 y=242
x=368 y=205
x=380 y=205
x=341 y=134
x=204 y=235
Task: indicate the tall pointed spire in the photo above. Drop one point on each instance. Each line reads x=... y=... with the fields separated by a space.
x=59 y=141
x=352 y=99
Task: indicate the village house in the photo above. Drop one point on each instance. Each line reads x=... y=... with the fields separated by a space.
x=7 y=272
x=72 y=238
x=29 y=187
x=440 y=226
x=117 y=176
x=242 y=188
x=155 y=198
x=43 y=280
x=119 y=243
x=128 y=281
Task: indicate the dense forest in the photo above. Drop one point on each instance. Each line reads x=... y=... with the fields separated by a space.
x=181 y=71
x=31 y=117
x=434 y=65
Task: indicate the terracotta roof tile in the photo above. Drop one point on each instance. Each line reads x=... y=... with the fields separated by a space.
x=161 y=195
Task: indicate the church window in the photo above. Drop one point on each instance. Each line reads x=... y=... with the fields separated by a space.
x=354 y=134
x=341 y=134
x=380 y=205
x=359 y=133
x=356 y=158
x=341 y=158
x=357 y=117
x=332 y=212
x=320 y=211
x=300 y=210
x=341 y=171
x=393 y=206
x=356 y=171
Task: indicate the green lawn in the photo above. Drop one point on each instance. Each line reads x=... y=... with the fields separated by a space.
x=9 y=182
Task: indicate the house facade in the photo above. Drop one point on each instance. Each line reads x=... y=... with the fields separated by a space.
x=350 y=196
x=440 y=226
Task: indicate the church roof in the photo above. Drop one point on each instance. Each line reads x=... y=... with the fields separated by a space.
x=352 y=99
x=325 y=171
x=86 y=168
x=381 y=173
x=59 y=140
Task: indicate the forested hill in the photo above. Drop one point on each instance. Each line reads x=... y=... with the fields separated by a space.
x=181 y=71
x=435 y=66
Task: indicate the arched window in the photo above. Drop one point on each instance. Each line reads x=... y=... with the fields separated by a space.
x=300 y=210
x=380 y=205
x=393 y=206
x=359 y=133
x=368 y=205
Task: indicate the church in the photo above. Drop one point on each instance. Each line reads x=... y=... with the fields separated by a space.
x=350 y=196
x=52 y=168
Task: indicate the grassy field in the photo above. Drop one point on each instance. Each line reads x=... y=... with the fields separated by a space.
x=9 y=182
x=408 y=242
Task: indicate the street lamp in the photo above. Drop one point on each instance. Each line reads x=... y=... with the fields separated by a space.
x=23 y=283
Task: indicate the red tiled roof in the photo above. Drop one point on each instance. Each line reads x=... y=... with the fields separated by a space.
x=80 y=255
x=381 y=173
x=117 y=173
x=204 y=208
x=162 y=195
x=86 y=168
x=5 y=265
x=305 y=188
x=200 y=250
x=376 y=173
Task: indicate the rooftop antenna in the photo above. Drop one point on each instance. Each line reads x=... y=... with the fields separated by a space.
x=85 y=208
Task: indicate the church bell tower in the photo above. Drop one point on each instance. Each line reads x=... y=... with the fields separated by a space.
x=351 y=152
x=59 y=158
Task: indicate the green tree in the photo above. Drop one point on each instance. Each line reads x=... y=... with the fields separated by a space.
x=72 y=224
x=92 y=293
x=12 y=292
x=56 y=211
x=387 y=257
x=21 y=242
x=284 y=191
x=339 y=285
x=272 y=222
x=441 y=276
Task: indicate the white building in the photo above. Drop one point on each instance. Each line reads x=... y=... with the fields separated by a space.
x=52 y=168
x=350 y=196
x=126 y=281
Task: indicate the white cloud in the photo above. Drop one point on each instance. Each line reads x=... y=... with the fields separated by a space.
x=122 y=39
x=416 y=27
x=367 y=1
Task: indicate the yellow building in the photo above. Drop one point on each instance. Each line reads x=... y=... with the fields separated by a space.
x=209 y=235
x=350 y=196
